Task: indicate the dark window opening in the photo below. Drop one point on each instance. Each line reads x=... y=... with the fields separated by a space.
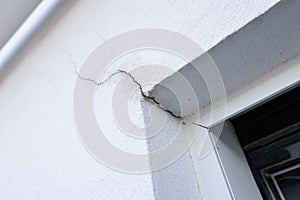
x=270 y=137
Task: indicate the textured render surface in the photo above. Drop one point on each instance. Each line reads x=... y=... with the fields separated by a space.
x=246 y=56
x=40 y=151
x=178 y=180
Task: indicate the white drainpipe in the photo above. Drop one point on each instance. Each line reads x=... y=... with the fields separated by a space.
x=26 y=31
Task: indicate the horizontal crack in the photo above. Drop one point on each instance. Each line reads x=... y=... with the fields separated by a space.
x=95 y=82
x=202 y=126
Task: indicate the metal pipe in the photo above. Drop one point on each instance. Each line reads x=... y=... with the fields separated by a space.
x=25 y=32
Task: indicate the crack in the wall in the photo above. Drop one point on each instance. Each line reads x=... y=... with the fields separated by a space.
x=143 y=93
x=200 y=125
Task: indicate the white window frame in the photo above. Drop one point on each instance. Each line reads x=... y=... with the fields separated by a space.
x=224 y=173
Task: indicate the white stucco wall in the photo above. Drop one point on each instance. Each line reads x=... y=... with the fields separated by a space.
x=40 y=152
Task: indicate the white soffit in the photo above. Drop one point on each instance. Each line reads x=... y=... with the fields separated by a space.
x=12 y=14
x=256 y=50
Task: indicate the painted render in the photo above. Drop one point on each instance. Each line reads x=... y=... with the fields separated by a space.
x=41 y=153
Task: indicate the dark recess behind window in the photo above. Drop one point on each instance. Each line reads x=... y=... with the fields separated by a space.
x=268 y=118
x=264 y=133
